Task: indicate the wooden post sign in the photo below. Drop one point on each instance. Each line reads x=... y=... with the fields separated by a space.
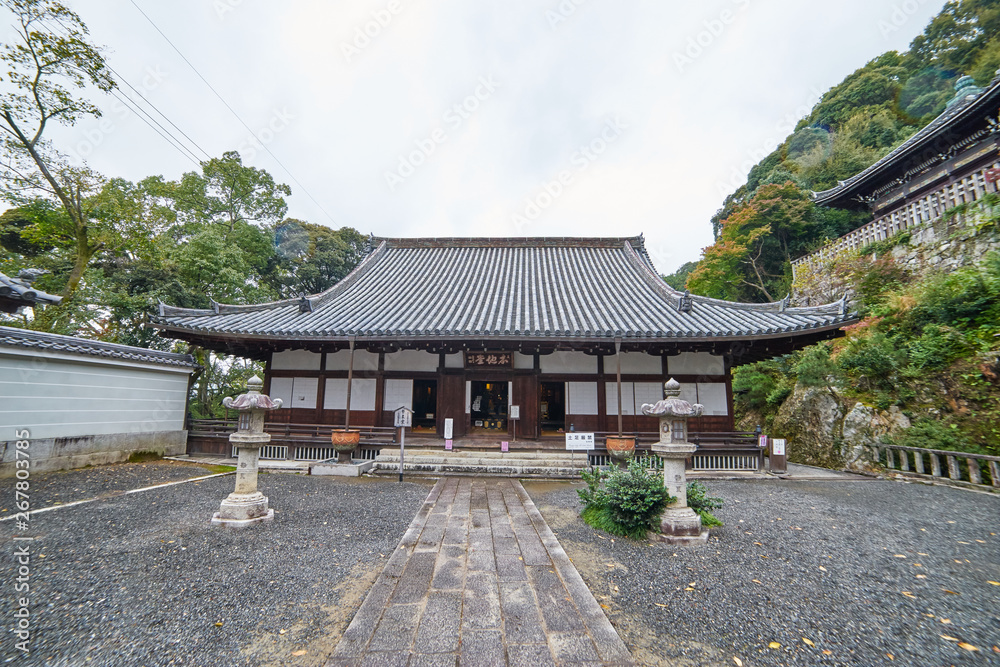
x=402 y=419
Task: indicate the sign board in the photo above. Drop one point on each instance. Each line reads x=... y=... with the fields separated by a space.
x=504 y=446
x=448 y=444
x=579 y=441
x=489 y=359
x=778 y=446
x=403 y=417
x=449 y=428
x=515 y=412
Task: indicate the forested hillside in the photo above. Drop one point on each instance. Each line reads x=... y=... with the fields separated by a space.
x=922 y=367
x=770 y=220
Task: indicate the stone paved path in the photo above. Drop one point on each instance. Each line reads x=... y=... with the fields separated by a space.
x=479 y=579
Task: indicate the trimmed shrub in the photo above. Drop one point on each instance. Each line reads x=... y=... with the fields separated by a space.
x=628 y=504
x=702 y=503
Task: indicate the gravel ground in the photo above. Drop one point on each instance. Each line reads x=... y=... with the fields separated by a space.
x=870 y=572
x=145 y=580
x=54 y=488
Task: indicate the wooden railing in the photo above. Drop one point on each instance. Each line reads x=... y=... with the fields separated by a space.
x=728 y=451
x=302 y=442
x=976 y=469
x=949 y=199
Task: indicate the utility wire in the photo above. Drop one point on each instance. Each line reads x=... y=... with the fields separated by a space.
x=132 y=105
x=233 y=111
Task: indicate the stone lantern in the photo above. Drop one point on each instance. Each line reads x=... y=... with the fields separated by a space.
x=247 y=505
x=680 y=524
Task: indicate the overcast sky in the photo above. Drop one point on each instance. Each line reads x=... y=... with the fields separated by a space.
x=484 y=118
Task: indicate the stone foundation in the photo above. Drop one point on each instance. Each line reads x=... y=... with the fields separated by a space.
x=49 y=454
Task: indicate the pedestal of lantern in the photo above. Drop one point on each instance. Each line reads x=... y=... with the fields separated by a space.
x=246 y=505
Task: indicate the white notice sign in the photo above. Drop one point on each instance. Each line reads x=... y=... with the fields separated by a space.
x=778 y=446
x=403 y=417
x=579 y=441
x=515 y=412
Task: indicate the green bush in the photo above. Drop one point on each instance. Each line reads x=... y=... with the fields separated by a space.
x=815 y=367
x=628 y=504
x=702 y=503
x=936 y=347
x=872 y=362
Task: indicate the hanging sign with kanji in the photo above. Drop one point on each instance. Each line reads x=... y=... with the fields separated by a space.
x=489 y=359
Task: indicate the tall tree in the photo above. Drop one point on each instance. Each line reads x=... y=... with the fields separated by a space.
x=47 y=67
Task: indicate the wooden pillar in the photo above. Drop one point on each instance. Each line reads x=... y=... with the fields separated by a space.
x=350 y=381
x=380 y=389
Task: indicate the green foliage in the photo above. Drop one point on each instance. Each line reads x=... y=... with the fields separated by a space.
x=678 y=279
x=702 y=503
x=933 y=434
x=872 y=362
x=936 y=347
x=624 y=502
x=593 y=495
x=814 y=367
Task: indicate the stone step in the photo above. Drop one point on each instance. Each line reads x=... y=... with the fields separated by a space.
x=513 y=460
x=486 y=454
x=473 y=469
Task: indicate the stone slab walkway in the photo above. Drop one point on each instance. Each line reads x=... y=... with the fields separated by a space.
x=479 y=579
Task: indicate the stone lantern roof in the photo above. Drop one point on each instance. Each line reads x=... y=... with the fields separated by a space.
x=672 y=405
x=253 y=399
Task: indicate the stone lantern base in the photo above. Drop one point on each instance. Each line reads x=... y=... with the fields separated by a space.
x=243 y=509
x=680 y=525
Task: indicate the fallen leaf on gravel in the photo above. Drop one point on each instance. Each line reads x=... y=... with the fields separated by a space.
x=995 y=583
x=689 y=589
x=909 y=595
x=607 y=607
x=691 y=584
x=946 y=621
x=890 y=656
x=281 y=632
x=656 y=603
x=774 y=645
x=758 y=544
x=808 y=641
x=921 y=553
x=822 y=568
x=949 y=639
x=218 y=625
x=921 y=576
x=967 y=647
x=981 y=541
x=950 y=592
x=900 y=556
x=917 y=565
x=298 y=653
x=996 y=649
x=756 y=581
x=739 y=663
x=957 y=561
x=827 y=652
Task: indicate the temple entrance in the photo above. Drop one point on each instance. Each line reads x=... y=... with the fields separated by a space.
x=552 y=407
x=424 y=406
x=489 y=407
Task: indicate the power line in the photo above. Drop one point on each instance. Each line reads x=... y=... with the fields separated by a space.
x=143 y=114
x=233 y=111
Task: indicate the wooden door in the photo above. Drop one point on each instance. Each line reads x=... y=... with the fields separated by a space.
x=451 y=404
x=526 y=396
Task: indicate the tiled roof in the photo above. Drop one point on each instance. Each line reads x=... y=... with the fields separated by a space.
x=17 y=292
x=967 y=108
x=13 y=337
x=521 y=288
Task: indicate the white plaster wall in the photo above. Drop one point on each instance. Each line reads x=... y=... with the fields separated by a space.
x=296 y=392
x=295 y=360
x=568 y=362
x=456 y=360
x=634 y=363
x=341 y=359
x=647 y=392
x=55 y=395
x=713 y=396
x=398 y=393
x=628 y=398
x=581 y=398
x=362 y=394
x=696 y=363
x=411 y=360
x=526 y=361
